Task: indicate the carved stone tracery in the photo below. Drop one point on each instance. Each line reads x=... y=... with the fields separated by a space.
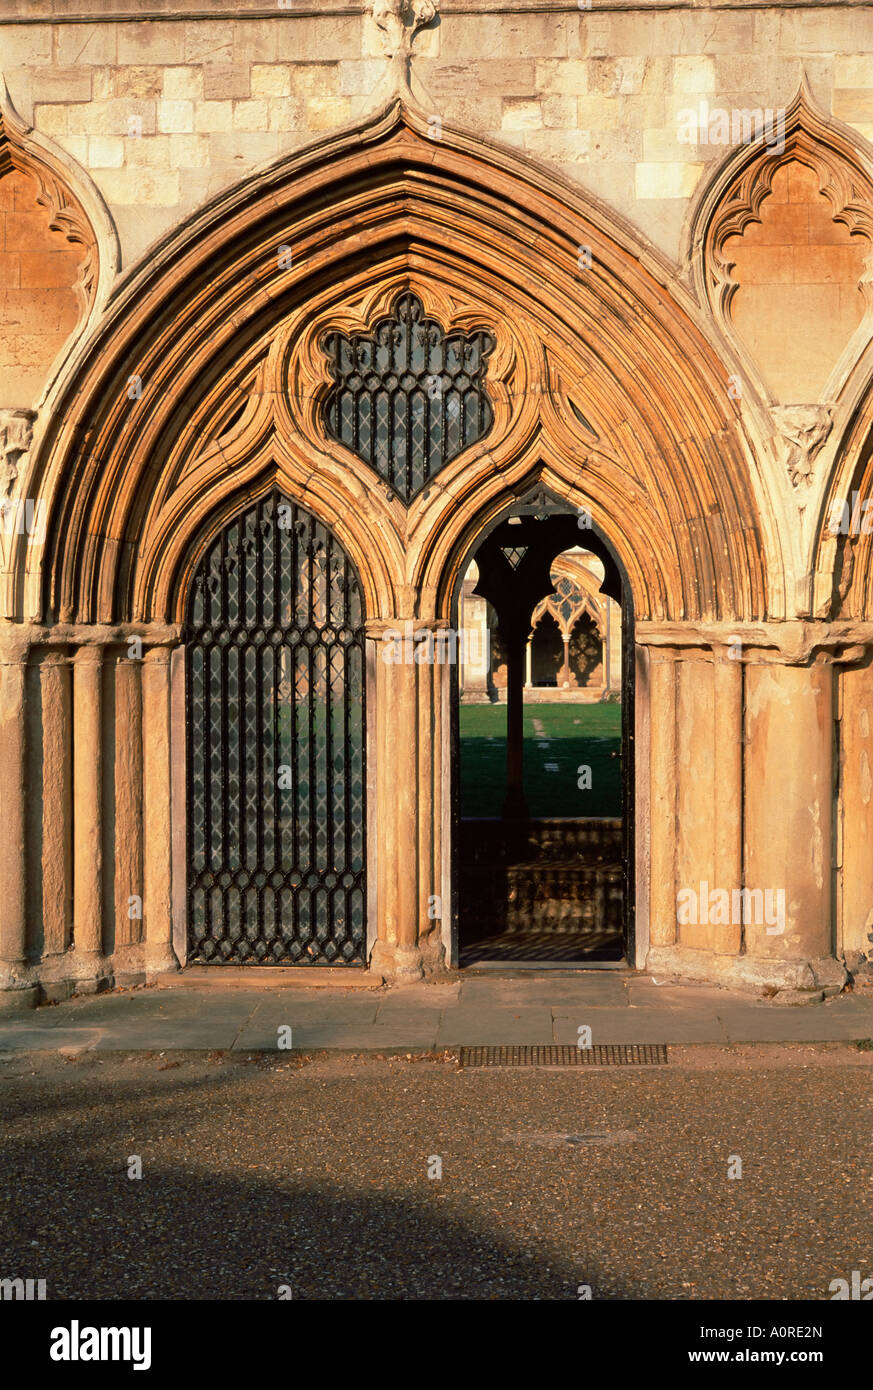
x=65 y=211
x=812 y=141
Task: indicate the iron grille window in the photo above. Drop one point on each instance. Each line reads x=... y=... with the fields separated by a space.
x=409 y=397
x=275 y=725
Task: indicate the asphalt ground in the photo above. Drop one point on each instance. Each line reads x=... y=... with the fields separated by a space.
x=268 y=1176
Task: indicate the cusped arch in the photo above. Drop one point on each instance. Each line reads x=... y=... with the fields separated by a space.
x=843 y=550
x=204 y=383
x=736 y=201
x=74 y=207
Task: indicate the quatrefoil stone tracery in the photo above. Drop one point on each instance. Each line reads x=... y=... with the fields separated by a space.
x=408 y=397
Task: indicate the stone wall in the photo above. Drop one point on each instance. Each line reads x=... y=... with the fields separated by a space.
x=524 y=172
x=221 y=87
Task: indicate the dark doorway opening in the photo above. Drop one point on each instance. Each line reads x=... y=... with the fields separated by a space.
x=543 y=730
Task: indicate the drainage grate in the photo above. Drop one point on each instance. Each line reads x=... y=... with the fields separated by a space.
x=602 y=1055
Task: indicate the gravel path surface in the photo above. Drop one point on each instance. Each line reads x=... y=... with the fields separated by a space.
x=312 y=1173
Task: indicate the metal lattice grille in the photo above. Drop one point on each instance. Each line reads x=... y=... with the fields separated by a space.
x=275 y=723
x=408 y=397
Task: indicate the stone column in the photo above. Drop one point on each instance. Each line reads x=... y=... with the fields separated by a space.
x=88 y=804
x=157 y=841
x=856 y=809
x=432 y=906
x=789 y=791
x=527 y=662
x=565 y=672
x=128 y=808
x=663 y=792
x=396 y=952
x=57 y=820
x=515 y=804
x=710 y=798
x=13 y=864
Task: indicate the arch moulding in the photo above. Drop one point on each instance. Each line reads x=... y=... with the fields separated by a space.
x=603 y=382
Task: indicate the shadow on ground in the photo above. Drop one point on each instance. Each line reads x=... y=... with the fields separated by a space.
x=233 y=1220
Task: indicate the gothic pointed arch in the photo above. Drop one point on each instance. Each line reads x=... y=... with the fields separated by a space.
x=784 y=230
x=60 y=255
x=207 y=381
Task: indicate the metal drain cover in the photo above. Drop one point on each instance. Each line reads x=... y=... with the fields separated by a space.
x=555 y=1055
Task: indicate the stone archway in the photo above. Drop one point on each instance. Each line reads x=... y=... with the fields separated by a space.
x=604 y=387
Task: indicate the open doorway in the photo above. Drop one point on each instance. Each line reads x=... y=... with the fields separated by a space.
x=543 y=807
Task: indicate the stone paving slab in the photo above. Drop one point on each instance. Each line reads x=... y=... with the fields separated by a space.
x=642 y=1026
x=619 y=1007
x=792 y=1025
x=482 y=1027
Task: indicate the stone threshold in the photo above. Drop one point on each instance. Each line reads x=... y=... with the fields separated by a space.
x=269 y=977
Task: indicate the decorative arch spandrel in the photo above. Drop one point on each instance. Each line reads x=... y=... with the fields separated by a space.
x=60 y=252
x=785 y=230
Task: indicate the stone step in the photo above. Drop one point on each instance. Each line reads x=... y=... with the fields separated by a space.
x=557 y=841
x=557 y=897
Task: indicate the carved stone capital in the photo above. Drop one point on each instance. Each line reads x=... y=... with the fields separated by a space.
x=16 y=433
x=802 y=431
x=400 y=20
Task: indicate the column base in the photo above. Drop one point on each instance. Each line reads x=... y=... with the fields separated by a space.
x=398 y=964
x=825 y=975
x=160 y=959
x=17 y=999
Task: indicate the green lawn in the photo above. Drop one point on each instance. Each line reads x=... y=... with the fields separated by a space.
x=558 y=739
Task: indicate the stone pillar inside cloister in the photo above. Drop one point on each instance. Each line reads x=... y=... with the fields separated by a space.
x=740 y=788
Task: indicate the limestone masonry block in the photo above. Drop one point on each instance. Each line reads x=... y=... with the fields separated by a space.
x=854 y=106
x=853 y=72
x=694 y=75
x=175 y=117
x=75 y=145
x=29 y=44
x=559 y=112
x=209 y=41
x=138 y=82
x=65 y=84
x=250 y=115
x=105 y=152
x=616 y=76
x=112 y=117
x=522 y=115
x=226 y=80
x=257 y=40
x=358 y=76
x=52 y=120
x=152 y=41
x=189 y=151
x=668 y=180
x=129 y=186
x=83 y=44
x=563 y=146
x=213 y=116
x=326 y=113
x=556 y=75
x=183 y=84
x=286 y=113
x=152 y=152
x=270 y=80
x=315 y=79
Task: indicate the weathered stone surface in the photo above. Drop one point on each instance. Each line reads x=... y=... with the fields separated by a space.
x=707 y=272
